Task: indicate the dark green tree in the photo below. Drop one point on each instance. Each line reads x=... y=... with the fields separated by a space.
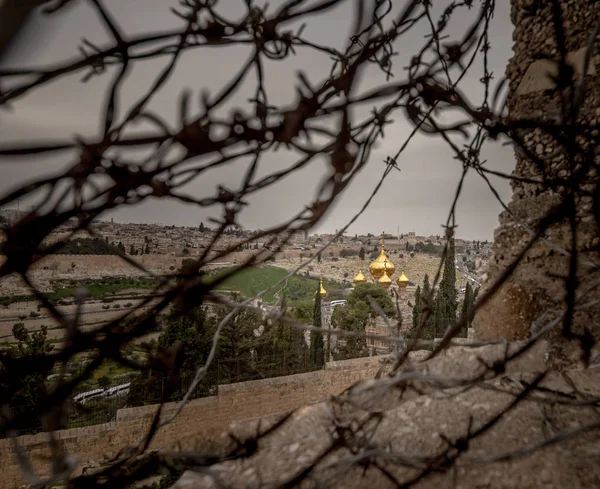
x=361 y=253
x=437 y=318
x=190 y=335
x=362 y=293
x=24 y=391
x=121 y=247
x=193 y=331
x=104 y=382
x=466 y=305
x=428 y=301
x=316 y=353
x=355 y=316
x=86 y=246
x=447 y=301
x=351 y=318
x=281 y=349
x=201 y=227
x=319 y=257
x=426 y=286
x=303 y=311
x=237 y=343
x=416 y=312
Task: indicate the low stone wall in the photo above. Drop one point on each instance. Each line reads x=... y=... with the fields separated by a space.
x=201 y=419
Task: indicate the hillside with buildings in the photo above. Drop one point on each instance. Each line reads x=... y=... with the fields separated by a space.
x=89 y=278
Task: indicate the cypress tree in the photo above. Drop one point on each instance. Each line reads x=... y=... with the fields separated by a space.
x=281 y=346
x=438 y=316
x=426 y=287
x=447 y=298
x=316 y=354
x=471 y=302
x=428 y=299
x=361 y=253
x=466 y=305
x=416 y=312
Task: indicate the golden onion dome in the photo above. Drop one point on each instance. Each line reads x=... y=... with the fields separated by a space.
x=402 y=280
x=322 y=290
x=382 y=264
x=360 y=278
x=385 y=281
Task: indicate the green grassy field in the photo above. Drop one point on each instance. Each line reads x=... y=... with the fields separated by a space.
x=254 y=280
x=248 y=282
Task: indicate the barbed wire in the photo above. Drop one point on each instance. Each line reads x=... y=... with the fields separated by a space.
x=102 y=179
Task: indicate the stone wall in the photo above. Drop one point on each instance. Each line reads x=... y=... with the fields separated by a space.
x=60 y=267
x=202 y=420
x=538 y=284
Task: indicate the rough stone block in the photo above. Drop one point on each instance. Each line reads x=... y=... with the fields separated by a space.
x=538 y=75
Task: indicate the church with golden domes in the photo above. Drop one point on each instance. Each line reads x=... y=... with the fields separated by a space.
x=382 y=271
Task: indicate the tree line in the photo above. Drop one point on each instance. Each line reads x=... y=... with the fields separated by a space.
x=87 y=246
x=98 y=246
x=443 y=306
x=250 y=347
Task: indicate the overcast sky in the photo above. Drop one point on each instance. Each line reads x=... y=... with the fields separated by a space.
x=416 y=199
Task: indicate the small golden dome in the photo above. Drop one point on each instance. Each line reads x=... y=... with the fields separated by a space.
x=382 y=264
x=360 y=278
x=385 y=281
x=322 y=291
x=402 y=280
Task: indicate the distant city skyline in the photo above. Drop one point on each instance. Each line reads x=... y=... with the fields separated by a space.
x=321 y=230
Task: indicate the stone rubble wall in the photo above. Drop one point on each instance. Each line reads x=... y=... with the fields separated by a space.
x=201 y=421
x=417 y=425
x=538 y=283
x=60 y=267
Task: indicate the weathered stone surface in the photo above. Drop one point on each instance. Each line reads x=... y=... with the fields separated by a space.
x=517 y=451
x=201 y=424
x=540 y=73
x=538 y=283
x=509 y=315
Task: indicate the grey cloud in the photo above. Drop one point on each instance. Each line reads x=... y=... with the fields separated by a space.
x=416 y=198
